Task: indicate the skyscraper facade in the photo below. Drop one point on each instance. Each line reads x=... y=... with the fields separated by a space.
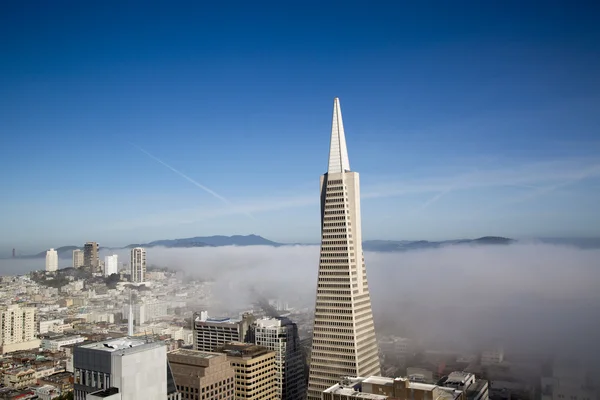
x=280 y=334
x=138 y=264
x=90 y=256
x=77 y=258
x=111 y=264
x=344 y=342
x=51 y=260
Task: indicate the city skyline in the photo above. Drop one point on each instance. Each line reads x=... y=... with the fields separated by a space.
x=166 y=127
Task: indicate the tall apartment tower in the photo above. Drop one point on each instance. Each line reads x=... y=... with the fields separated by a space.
x=51 y=260
x=77 y=258
x=111 y=265
x=344 y=342
x=280 y=335
x=90 y=256
x=18 y=328
x=138 y=264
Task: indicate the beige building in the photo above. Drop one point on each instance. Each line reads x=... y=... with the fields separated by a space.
x=201 y=375
x=254 y=371
x=19 y=378
x=344 y=341
x=17 y=328
x=77 y=258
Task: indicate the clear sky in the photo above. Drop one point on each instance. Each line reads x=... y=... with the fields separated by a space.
x=464 y=118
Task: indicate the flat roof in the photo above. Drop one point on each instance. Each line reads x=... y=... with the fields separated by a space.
x=421 y=386
x=112 y=345
x=345 y=391
x=379 y=380
x=237 y=349
x=195 y=353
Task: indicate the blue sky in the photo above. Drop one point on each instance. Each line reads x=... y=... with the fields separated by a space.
x=463 y=118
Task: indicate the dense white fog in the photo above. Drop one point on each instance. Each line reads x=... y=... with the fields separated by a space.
x=523 y=296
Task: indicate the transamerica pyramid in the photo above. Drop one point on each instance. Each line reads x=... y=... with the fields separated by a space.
x=344 y=341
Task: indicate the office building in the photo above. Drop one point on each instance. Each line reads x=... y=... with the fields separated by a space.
x=281 y=336
x=137 y=368
x=111 y=265
x=344 y=341
x=201 y=375
x=138 y=264
x=78 y=258
x=212 y=333
x=51 y=260
x=90 y=256
x=17 y=330
x=254 y=371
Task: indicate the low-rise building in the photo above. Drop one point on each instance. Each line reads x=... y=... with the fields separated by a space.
x=54 y=343
x=18 y=378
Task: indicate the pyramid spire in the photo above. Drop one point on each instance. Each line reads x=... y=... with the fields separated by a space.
x=338 y=152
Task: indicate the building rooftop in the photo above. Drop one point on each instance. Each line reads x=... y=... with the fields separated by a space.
x=350 y=386
x=379 y=380
x=194 y=353
x=236 y=349
x=120 y=344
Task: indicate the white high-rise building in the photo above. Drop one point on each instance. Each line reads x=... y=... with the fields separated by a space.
x=344 y=341
x=51 y=260
x=281 y=335
x=17 y=328
x=138 y=264
x=111 y=265
x=77 y=258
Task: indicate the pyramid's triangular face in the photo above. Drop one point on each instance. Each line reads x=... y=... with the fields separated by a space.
x=344 y=341
x=338 y=152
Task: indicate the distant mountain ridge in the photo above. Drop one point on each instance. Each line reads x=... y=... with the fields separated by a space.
x=368 y=245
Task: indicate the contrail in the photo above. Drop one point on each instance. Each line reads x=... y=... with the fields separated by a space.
x=184 y=176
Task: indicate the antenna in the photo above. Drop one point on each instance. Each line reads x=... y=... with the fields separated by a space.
x=130 y=319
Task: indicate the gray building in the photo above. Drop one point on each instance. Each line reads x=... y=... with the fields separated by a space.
x=280 y=334
x=136 y=368
x=212 y=333
x=90 y=256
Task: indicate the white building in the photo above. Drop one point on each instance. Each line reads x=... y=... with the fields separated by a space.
x=136 y=368
x=111 y=265
x=51 y=260
x=50 y=325
x=138 y=264
x=54 y=343
x=19 y=334
x=47 y=392
x=77 y=258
